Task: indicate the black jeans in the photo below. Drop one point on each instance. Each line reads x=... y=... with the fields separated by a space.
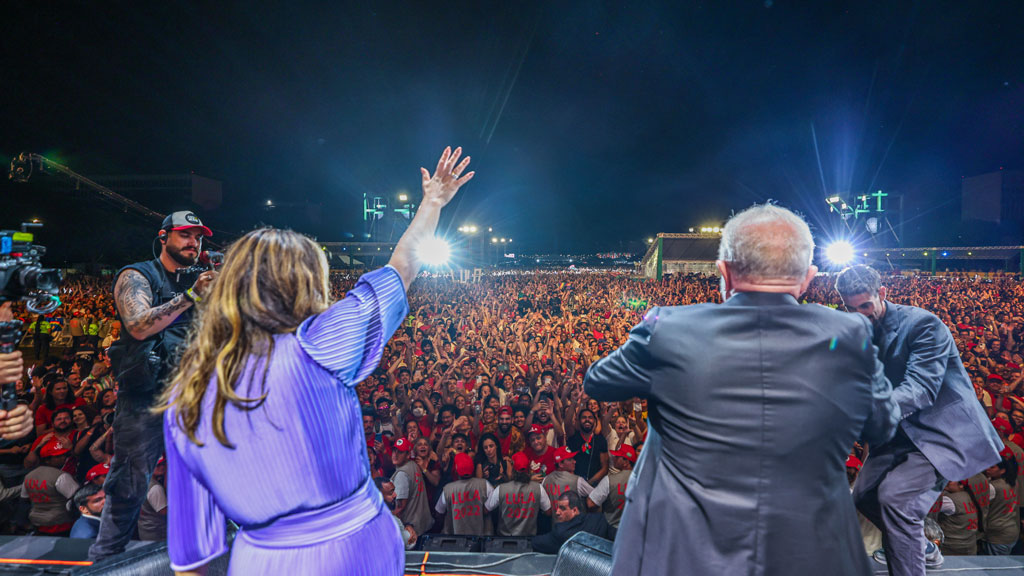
x=138 y=444
x=41 y=346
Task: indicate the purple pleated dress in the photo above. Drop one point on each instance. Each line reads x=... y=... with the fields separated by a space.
x=298 y=480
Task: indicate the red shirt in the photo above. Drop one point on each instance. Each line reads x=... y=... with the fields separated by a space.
x=45 y=416
x=546 y=460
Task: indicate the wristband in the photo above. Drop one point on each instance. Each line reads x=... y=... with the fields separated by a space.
x=191 y=295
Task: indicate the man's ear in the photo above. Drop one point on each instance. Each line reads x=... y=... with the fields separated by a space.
x=723 y=269
x=812 y=271
x=881 y=292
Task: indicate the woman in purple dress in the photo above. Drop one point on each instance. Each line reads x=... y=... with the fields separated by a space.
x=262 y=423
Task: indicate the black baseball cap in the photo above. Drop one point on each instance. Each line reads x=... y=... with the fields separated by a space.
x=183 y=220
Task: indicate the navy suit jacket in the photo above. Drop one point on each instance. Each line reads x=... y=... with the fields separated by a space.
x=754 y=405
x=940 y=411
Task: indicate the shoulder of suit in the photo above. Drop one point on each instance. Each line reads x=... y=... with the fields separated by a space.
x=843 y=318
x=662 y=311
x=914 y=315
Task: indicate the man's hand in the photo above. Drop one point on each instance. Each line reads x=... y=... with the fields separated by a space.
x=202 y=284
x=412 y=534
x=11 y=367
x=16 y=423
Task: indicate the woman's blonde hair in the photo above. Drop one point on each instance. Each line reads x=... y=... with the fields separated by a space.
x=271 y=281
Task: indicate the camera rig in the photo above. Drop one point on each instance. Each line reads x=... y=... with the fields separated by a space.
x=23 y=278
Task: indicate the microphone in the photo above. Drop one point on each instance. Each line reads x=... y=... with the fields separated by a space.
x=212 y=260
x=208 y=260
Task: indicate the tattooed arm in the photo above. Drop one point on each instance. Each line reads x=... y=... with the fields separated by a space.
x=135 y=304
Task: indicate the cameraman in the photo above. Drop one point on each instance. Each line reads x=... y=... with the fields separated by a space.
x=16 y=423
x=154 y=302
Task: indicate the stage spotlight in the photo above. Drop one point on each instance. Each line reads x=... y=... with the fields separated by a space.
x=434 y=251
x=839 y=252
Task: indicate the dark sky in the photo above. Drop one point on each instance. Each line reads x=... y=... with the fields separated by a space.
x=589 y=123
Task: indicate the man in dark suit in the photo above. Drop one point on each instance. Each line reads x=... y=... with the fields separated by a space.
x=754 y=406
x=570 y=518
x=943 y=435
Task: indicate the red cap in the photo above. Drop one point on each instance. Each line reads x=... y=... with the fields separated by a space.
x=54 y=448
x=564 y=453
x=505 y=410
x=403 y=445
x=537 y=429
x=464 y=465
x=520 y=461
x=184 y=220
x=97 y=470
x=853 y=462
x=160 y=461
x=1006 y=453
x=1002 y=425
x=626 y=451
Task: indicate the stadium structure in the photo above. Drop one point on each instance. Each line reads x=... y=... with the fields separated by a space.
x=681 y=253
x=691 y=253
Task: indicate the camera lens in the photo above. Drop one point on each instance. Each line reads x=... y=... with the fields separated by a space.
x=42 y=279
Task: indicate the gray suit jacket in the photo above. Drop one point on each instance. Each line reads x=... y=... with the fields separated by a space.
x=754 y=405
x=941 y=413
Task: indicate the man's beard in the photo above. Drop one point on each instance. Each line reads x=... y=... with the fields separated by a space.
x=505 y=428
x=180 y=258
x=62 y=429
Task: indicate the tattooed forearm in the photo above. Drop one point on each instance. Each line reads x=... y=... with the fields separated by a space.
x=134 y=302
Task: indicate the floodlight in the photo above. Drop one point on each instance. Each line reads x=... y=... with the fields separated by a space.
x=872 y=225
x=840 y=252
x=403 y=198
x=434 y=251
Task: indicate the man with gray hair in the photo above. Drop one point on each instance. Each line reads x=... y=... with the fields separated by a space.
x=944 y=434
x=754 y=406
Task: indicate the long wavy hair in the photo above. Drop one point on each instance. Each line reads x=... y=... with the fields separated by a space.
x=271 y=281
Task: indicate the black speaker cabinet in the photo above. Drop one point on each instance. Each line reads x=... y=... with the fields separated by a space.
x=584 y=555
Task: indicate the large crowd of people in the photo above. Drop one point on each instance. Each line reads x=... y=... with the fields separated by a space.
x=476 y=420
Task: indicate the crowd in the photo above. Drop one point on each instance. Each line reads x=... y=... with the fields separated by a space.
x=476 y=421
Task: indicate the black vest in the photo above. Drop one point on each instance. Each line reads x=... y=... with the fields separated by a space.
x=140 y=366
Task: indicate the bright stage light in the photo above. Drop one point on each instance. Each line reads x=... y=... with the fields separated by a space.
x=839 y=252
x=434 y=251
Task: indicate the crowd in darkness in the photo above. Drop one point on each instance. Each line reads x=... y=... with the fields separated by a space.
x=476 y=421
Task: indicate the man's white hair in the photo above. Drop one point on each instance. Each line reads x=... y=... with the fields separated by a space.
x=766 y=242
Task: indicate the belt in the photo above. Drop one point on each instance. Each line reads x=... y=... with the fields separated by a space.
x=321 y=525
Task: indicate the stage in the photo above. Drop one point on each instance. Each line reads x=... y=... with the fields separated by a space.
x=43 y=555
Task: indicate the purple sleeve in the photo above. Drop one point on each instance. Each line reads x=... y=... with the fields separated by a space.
x=195 y=525
x=348 y=338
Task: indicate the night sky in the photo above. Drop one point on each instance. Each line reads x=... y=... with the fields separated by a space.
x=591 y=125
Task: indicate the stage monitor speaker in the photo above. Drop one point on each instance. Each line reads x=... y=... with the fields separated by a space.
x=507 y=545
x=584 y=555
x=445 y=543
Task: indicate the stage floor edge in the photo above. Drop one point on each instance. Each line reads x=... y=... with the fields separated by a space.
x=31 y=555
